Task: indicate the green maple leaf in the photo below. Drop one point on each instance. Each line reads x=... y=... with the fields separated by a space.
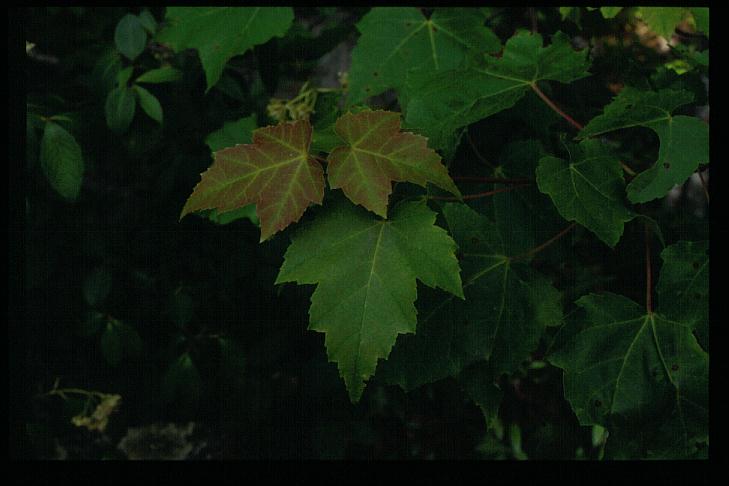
x=663 y=20
x=506 y=308
x=683 y=287
x=638 y=374
x=395 y=40
x=219 y=33
x=440 y=103
x=589 y=189
x=275 y=172
x=376 y=154
x=365 y=269
x=684 y=139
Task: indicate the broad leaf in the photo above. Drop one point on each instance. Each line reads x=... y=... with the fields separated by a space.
x=589 y=189
x=61 y=161
x=365 y=270
x=683 y=288
x=119 y=109
x=627 y=368
x=219 y=33
x=275 y=172
x=130 y=37
x=376 y=154
x=395 y=40
x=684 y=139
x=506 y=309
x=439 y=103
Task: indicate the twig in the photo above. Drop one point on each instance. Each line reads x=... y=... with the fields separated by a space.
x=476 y=152
x=478 y=195
x=571 y=120
x=648 y=273
x=554 y=107
x=494 y=180
x=541 y=247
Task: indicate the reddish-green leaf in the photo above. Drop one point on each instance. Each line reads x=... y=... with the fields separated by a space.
x=275 y=173
x=376 y=154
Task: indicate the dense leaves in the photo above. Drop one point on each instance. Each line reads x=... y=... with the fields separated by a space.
x=439 y=103
x=464 y=248
x=502 y=318
x=365 y=270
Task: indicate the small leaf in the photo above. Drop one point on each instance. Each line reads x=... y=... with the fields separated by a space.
x=181 y=381
x=182 y=308
x=587 y=189
x=148 y=22
x=91 y=324
x=219 y=33
x=112 y=343
x=232 y=133
x=376 y=154
x=122 y=78
x=96 y=286
x=610 y=12
x=149 y=103
x=130 y=37
x=275 y=172
x=160 y=75
x=61 y=161
x=366 y=270
x=119 y=109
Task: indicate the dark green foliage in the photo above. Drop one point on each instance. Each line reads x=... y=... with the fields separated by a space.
x=472 y=273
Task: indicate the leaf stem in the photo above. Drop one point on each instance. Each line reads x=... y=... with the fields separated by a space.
x=571 y=120
x=554 y=107
x=479 y=194
x=544 y=245
x=495 y=180
x=476 y=151
x=648 y=273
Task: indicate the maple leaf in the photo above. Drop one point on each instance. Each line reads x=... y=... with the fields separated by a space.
x=506 y=308
x=275 y=172
x=439 y=103
x=638 y=374
x=365 y=269
x=395 y=40
x=219 y=33
x=376 y=154
x=684 y=140
x=683 y=287
x=588 y=189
